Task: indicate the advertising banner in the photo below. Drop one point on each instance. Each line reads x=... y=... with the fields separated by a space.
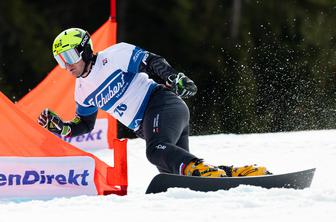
x=96 y=139
x=44 y=177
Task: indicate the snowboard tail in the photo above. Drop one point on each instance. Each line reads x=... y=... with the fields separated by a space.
x=295 y=180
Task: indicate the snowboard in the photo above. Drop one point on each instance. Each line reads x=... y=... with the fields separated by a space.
x=295 y=180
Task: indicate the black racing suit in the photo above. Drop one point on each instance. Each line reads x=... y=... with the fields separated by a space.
x=165 y=125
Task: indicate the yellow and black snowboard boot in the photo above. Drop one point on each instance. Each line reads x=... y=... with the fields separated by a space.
x=245 y=171
x=200 y=169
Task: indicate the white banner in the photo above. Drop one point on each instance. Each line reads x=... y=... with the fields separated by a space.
x=46 y=177
x=96 y=139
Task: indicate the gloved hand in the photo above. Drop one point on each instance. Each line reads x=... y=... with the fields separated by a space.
x=181 y=85
x=51 y=121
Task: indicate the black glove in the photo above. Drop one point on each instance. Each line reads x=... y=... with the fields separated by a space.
x=52 y=122
x=181 y=85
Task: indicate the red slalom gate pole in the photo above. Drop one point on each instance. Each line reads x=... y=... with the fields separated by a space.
x=113 y=10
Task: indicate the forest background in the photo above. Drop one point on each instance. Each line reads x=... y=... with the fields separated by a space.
x=260 y=66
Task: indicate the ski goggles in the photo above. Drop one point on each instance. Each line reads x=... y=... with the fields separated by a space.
x=70 y=57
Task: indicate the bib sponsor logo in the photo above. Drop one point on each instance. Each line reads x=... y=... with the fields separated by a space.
x=109 y=93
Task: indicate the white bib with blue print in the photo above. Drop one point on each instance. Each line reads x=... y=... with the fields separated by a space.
x=115 y=85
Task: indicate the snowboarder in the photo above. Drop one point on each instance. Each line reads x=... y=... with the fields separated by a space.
x=119 y=81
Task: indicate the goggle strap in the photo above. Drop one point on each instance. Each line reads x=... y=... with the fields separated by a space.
x=84 y=42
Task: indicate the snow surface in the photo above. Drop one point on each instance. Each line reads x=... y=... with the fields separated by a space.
x=280 y=152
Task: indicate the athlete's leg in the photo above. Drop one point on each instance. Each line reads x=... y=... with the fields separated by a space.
x=165 y=130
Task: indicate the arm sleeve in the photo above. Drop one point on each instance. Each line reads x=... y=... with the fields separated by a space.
x=81 y=124
x=155 y=65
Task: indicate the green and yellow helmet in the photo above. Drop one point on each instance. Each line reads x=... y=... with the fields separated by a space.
x=71 y=45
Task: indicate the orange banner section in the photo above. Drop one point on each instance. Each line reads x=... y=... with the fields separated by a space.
x=23 y=137
x=56 y=91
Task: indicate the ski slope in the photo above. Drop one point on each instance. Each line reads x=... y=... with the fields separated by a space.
x=280 y=152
